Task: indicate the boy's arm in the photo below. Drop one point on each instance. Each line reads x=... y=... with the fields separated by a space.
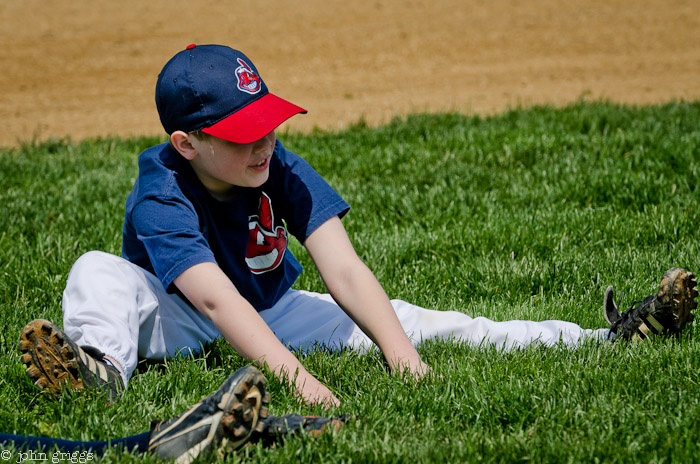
x=354 y=287
x=213 y=294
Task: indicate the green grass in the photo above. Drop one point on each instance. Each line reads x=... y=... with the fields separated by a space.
x=528 y=215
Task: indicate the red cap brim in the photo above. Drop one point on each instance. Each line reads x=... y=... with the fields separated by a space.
x=254 y=121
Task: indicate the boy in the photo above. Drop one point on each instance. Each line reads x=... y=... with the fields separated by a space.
x=205 y=255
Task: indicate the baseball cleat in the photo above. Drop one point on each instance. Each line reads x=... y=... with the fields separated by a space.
x=54 y=361
x=223 y=421
x=666 y=311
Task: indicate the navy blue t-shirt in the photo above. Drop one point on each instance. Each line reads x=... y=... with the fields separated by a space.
x=172 y=222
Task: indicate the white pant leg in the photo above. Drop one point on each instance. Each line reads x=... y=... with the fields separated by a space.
x=123 y=310
x=423 y=324
x=303 y=320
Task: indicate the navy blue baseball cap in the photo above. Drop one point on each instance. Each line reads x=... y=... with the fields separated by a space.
x=218 y=90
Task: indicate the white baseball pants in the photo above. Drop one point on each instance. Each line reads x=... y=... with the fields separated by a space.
x=123 y=310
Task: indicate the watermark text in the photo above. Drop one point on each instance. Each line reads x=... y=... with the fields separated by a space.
x=56 y=457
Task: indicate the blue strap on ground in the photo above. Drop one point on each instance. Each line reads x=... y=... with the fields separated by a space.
x=37 y=444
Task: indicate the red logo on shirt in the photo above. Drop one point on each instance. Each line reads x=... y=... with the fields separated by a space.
x=266 y=243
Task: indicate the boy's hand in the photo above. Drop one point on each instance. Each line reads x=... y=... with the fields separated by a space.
x=311 y=390
x=415 y=368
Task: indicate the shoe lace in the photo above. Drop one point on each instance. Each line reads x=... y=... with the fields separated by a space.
x=625 y=314
x=635 y=304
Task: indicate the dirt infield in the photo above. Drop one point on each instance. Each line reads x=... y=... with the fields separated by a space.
x=86 y=68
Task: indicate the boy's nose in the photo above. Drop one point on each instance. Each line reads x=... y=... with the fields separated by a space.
x=262 y=144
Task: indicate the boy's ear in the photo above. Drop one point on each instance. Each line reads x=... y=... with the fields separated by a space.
x=181 y=142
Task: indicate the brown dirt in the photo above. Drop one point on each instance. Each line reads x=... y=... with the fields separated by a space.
x=88 y=68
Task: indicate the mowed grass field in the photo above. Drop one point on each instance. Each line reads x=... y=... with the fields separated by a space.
x=525 y=215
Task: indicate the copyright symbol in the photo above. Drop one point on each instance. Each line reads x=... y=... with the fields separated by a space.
x=6 y=455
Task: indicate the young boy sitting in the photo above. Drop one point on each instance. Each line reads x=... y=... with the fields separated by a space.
x=205 y=256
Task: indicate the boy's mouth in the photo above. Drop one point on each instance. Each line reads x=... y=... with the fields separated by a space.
x=262 y=164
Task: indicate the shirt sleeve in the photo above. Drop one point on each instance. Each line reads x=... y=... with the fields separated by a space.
x=169 y=230
x=309 y=199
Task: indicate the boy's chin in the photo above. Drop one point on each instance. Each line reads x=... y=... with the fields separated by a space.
x=259 y=180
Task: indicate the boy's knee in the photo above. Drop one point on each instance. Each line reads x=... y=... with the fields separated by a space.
x=100 y=258
x=95 y=256
x=92 y=264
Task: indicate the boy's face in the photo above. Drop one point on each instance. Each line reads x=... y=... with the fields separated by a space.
x=220 y=164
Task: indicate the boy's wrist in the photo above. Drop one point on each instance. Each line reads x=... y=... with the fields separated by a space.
x=401 y=361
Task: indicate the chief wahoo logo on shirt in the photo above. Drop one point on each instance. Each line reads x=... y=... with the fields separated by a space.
x=266 y=243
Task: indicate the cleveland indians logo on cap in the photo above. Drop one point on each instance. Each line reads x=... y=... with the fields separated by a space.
x=266 y=243
x=248 y=80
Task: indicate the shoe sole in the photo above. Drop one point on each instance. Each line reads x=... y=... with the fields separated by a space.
x=244 y=409
x=679 y=288
x=50 y=361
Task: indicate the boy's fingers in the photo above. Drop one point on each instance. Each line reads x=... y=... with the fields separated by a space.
x=332 y=402
x=326 y=402
x=418 y=372
x=322 y=395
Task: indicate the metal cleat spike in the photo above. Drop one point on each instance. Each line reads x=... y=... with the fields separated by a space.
x=259 y=427
x=240 y=431
x=228 y=421
x=46 y=327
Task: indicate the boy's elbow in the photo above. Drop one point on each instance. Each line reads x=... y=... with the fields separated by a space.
x=207 y=307
x=217 y=304
x=347 y=276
